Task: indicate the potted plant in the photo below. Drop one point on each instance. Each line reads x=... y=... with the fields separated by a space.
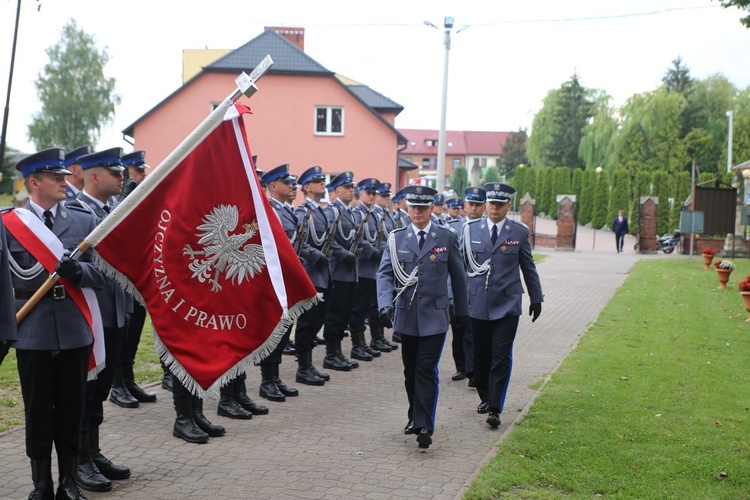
x=708 y=255
x=724 y=268
x=744 y=287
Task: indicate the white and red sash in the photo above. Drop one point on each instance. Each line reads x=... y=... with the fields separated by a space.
x=45 y=247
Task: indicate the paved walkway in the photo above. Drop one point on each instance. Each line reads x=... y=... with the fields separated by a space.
x=345 y=440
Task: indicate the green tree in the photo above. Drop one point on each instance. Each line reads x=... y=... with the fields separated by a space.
x=740 y=4
x=599 y=139
x=513 y=152
x=531 y=184
x=560 y=185
x=741 y=132
x=662 y=189
x=491 y=175
x=519 y=183
x=600 y=215
x=77 y=100
x=586 y=201
x=620 y=193
x=678 y=79
x=680 y=194
x=558 y=127
x=577 y=185
x=544 y=187
x=459 y=180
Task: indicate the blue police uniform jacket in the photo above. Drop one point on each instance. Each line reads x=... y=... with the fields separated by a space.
x=344 y=235
x=367 y=266
x=54 y=325
x=421 y=309
x=8 y=329
x=113 y=302
x=497 y=293
x=312 y=252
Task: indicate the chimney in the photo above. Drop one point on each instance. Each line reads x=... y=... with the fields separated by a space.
x=294 y=35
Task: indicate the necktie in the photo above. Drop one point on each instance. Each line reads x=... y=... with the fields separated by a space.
x=48 y=219
x=106 y=208
x=494 y=234
x=421 y=239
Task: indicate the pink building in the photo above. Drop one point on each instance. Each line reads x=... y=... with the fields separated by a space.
x=303 y=113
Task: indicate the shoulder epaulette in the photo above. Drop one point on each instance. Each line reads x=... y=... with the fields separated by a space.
x=474 y=221
x=519 y=223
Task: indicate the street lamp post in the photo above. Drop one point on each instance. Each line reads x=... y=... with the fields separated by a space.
x=440 y=180
x=730 y=115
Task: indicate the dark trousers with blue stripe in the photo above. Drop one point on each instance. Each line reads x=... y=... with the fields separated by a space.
x=421 y=356
x=493 y=358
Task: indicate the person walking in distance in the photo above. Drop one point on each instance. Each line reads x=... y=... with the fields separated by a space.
x=620 y=228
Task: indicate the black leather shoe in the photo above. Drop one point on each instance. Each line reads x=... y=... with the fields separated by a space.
x=424 y=439
x=287 y=391
x=359 y=352
x=308 y=377
x=396 y=337
x=379 y=345
x=289 y=350
x=493 y=419
x=139 y=394
x=409 y=429
x=89 y=478
x=232 y=409
x=120 y=396
x=458 y=376
x=385 y=341
x=251 y=405
x=471 y=382
x=320 y=374
x=372 y=352
x=332 y=362
x=484 y=407
x=320 y=341
x=269 y=391
x=206 y=426
x=108 y=469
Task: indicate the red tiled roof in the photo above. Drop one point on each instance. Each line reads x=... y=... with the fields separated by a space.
x=457 y=142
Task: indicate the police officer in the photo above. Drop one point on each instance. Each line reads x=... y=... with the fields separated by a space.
x=317 y=265
x=75 y=180
x=54 y=339
x=8 y=333
x=344 y=271
x=475 y=199
x=103 y=178
x=416 y=265
x=401 y=214
x=368 y=261
x=453 y=210
x=437 y=209
x=135 y=163
x=279 y=184
x=458 y=330
x=496 y=249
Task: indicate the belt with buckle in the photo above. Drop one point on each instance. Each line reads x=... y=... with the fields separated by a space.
x=57 y=292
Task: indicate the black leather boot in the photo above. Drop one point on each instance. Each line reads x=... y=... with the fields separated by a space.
x=184 y=425
x=119 y=394
x=381 y=334
x=396 y=337
x=378 y=340
x=105 y=466
x=138 y=393
x=372 y=352
x=240 y=393
x=69 y=470
x=268 y=388
x=41 y=475
x=358 y=347
x=196 y=408
x=317 y=372
x=344 y=359
x=305 y=371
x=88 y=476
x=332 y=361
x=166 y=379
x=285 y=389
x=228 y=405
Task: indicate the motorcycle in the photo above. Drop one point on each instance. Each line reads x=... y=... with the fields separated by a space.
x=667 y=242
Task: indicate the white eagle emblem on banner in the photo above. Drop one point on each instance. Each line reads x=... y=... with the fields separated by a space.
x=223 y=251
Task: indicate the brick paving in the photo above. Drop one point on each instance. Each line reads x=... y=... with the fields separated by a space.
x=345 y=440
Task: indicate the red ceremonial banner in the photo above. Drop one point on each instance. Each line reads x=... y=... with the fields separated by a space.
x=216 y=272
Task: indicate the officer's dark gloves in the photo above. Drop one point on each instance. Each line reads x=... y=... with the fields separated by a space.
x=4 y=348
x=385 y=317
x=376 y=256
x=461 y=322
x=358 y=251
x=322 y=263
x=69 y=268
x=128 y=187
x=535 y=310
x=350 y=259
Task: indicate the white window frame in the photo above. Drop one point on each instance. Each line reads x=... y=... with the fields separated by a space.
x=329 y=114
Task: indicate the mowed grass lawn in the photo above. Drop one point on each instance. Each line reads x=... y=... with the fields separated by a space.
x=653 y=403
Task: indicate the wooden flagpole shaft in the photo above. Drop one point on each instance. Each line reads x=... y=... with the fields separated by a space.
x=245 y=86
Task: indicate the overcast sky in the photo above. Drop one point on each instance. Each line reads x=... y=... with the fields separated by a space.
x=501 y=66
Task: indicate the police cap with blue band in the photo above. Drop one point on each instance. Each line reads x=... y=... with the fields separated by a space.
x=312 y=174
x=48 y=160
x=109 y=158
x=370 y=184
x=497 y=192
x=136 y=159
x=454 y=202
x=280 y=173
x=420 y=196
x=475 y=195
x=384 y=189
x=342 y=179
x=71 y=158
